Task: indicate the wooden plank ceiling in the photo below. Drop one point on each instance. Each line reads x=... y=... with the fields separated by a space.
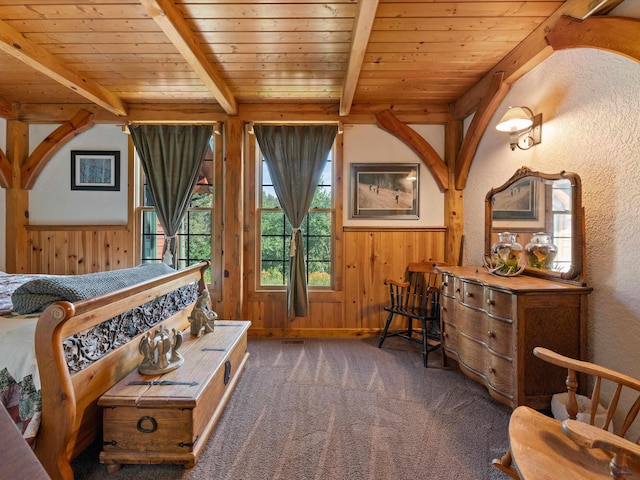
x=123 y=53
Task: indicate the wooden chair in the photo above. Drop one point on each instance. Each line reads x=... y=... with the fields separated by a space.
x=541 y=447
x=418 y=298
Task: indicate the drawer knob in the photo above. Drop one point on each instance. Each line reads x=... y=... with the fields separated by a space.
x=491 y=334
x=490 y=302
x=457 y=290
x=469 y=294
x=492 y=370
x=445 y=284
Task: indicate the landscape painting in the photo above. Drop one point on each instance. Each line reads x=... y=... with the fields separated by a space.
x=384 y=190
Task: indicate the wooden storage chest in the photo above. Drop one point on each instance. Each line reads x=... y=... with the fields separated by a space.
x=169 y=418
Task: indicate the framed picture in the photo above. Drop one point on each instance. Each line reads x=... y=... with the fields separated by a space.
x=385 y=190
x=95 y=170
x=518 y=202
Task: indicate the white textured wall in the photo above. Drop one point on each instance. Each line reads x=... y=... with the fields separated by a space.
x=51 y=200
x=590 y=100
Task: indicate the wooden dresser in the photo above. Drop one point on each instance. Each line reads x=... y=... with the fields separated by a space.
x=491 y=324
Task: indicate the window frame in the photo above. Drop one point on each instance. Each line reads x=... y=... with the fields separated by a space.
x=214 y=285
x=333 y=212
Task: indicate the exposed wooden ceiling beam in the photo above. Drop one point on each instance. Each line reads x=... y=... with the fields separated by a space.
x=362 y=30
x=387 y=121
x=613 y=34
x=40 y=59
x=486 y=109
x=528 y=54
x=173 y=24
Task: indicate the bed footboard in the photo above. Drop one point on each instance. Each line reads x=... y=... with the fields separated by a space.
x=71 y=419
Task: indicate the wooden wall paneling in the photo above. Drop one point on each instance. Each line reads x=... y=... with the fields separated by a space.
x=71 y=250
x=72 y=256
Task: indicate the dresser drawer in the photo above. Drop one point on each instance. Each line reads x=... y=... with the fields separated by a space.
x=471 y=294
x=447 y=286
x=447 y=308
x=472 y=354
x=500 y=373
x=499 y=304
x=449 y=335
x=473 y=323
x=500 y=337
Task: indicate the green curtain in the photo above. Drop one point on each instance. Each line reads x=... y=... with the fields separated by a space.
x=296 y=156
x=171 y=157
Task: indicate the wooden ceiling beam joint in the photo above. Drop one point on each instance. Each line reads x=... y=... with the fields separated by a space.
x=618 y=35
x=387 y=121
x=81 y=121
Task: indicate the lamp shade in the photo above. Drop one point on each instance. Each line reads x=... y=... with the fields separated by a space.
x=515 y=119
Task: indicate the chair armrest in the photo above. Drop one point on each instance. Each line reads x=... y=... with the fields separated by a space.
x=589 y=436
x=397 y=283
x=593 y=437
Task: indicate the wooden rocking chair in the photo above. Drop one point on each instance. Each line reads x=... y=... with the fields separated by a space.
x=544 y=448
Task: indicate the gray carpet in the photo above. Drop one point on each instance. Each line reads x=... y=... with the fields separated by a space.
x=337 y=409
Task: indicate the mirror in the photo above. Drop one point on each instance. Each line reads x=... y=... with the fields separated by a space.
x=532 y=203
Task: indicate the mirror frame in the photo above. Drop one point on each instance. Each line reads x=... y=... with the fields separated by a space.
x=575 y=274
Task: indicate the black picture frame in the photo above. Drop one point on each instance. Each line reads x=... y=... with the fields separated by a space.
x=385 y=191
x=95 y=170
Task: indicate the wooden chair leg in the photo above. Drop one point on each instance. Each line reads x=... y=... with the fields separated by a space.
x=386 y=328
x=425 y=345
x=504 y=465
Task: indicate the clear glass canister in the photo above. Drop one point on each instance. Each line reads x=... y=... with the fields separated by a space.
x=540 y=251
x=506 y=253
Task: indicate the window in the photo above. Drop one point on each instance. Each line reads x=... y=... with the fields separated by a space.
x=194 y=236
x=562 y=225
x=317 y=231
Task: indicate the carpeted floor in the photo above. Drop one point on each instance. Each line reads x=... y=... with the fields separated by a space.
x=338 y=409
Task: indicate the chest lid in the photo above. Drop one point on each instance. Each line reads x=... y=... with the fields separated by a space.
x=204 y=357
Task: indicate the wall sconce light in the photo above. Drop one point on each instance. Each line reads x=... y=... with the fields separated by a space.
x=413 y=175
x=250 y=130
x=216 y=129
x=524 y=128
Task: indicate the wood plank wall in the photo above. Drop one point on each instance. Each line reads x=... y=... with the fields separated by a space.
x=75 y=250
x=370 y=257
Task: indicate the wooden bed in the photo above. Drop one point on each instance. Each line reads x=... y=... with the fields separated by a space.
x=71 y=419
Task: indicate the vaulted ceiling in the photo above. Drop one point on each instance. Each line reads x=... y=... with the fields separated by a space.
x=122 y=57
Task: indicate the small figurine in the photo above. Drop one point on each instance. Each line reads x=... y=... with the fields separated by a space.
x=202 y=316
x=160 y=351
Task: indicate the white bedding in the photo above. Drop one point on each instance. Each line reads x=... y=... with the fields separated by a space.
x=19 y=377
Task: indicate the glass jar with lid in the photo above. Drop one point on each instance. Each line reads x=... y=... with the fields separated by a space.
x=506 y=254
x=540 y=252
